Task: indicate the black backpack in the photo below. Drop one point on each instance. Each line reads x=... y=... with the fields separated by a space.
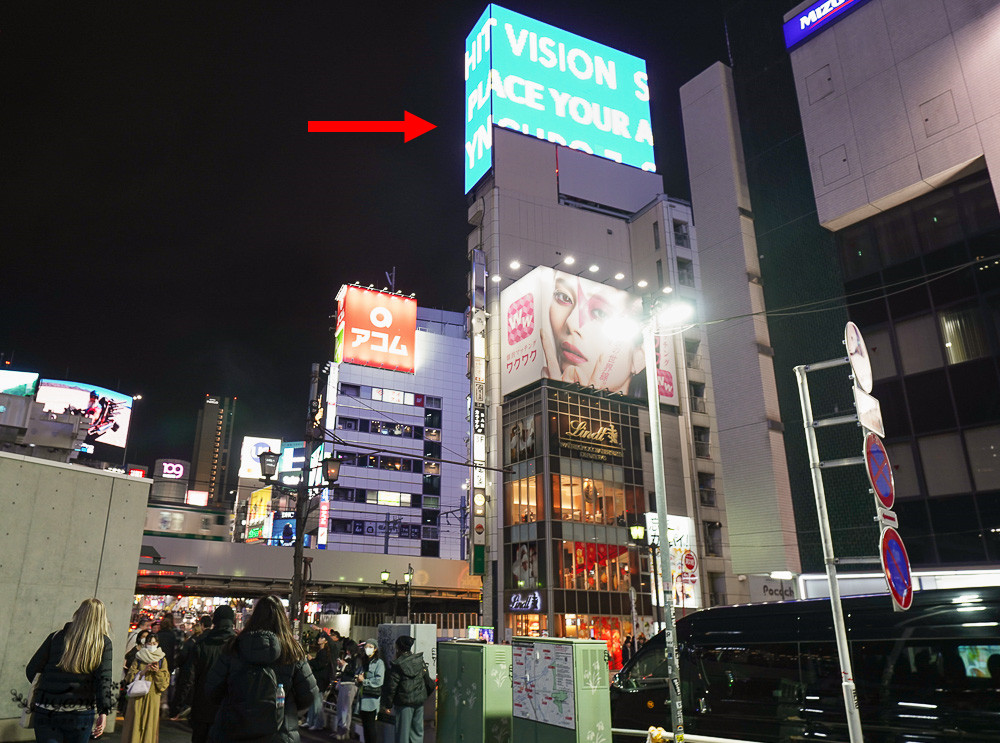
x=252 y=698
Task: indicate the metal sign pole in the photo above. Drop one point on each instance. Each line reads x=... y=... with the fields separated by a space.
x=847 y=675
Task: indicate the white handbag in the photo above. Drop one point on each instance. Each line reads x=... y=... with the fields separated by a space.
x=140 y=686
x=27 y=713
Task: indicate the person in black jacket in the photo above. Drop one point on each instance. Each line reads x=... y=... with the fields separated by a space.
x=191 y=680
x=265 y=645
x=76 y=679
x=322 y=668
x=405 y=692
x=178 y=702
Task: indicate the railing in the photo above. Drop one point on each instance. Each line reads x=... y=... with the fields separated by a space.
x=687 y=736
x=698 y=405
x=703 y=449
x=707 y=496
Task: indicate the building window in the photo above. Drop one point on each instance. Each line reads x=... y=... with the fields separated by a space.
x=432 y=418
x=984 y=454
x=432 y=402
x=647 y=441
x=963 y=334
x=430 y=549
x=706 y=489
x=681 y=237
x=430 y=532
x=656 y=235
x=702 y=442
x=717 y=589
x=350 y=390
x=713 y=537
x=698 y=403
x=659 y=274
x=685 y=272
x=432 y=501
x=432 y=434
x=347 y=424
x=919 y=349
x=944 y=464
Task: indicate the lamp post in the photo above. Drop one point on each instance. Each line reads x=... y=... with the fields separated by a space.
x=408 y=578
x=395 y=592
x=638 y=533
x=672 y=315
x=269 y=468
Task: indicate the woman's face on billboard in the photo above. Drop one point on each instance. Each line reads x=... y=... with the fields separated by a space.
x=583 y=319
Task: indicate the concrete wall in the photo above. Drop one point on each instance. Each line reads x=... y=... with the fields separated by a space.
x=762 y=532
x=69 y=533
x=897 y=98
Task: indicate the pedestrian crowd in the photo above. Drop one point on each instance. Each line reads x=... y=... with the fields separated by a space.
x=257 y=684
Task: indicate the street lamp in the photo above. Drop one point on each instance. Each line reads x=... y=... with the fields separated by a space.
x=408 y=578
x=638 y=534
x=269 y=468
x=395 y=592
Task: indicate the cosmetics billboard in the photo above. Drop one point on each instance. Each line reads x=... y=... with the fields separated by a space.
x=540 y=80
x=561 y=326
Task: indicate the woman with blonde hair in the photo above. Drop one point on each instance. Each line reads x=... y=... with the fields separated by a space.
x=142 y=718
x=76 y=679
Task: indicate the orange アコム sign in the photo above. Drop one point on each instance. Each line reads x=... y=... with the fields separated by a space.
x=376 y=329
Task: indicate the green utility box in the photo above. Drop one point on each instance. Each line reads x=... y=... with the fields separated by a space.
x=474 y=693
x=560 y=691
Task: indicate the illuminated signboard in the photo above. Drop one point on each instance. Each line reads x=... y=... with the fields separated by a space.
x=196 y=498
x=375 y=329
x=561 y=326
x=171 y=469
x=537 y=79
x=136 y=471
x=816 y=17
x=253 y=447
x=108 y=412
x=20 y=383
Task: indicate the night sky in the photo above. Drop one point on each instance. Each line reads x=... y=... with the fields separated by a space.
x=168 y=227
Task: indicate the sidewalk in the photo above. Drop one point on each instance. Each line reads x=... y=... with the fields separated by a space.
x=180 y=732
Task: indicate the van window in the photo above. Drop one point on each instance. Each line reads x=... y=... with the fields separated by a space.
x=767 y=674
x=649 y=671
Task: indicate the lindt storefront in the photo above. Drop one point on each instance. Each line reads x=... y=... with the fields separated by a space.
x=575 y=484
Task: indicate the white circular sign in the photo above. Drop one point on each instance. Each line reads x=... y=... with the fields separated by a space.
x=857 y=354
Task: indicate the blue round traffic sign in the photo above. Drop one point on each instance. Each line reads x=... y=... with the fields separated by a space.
x=879 y=471
x=896 y=566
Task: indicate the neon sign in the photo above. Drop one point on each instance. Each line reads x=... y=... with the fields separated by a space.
x=815 y=18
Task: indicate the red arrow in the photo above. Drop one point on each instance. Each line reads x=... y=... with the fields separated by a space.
x=411 y=126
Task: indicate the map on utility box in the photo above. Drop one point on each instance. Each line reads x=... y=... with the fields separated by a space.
x=543 y=683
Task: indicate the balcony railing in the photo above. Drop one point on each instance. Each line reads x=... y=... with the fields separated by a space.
x=703 y=449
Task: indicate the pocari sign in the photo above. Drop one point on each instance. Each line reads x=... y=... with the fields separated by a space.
x=537 y=79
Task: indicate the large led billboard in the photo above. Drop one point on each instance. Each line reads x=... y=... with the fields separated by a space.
x=375 y=329
x=537 y=79
x=561 y=326
x=253 y=447
x=20 y=383
x=109 y=412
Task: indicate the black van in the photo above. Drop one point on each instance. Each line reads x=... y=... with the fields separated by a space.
x=770 y=672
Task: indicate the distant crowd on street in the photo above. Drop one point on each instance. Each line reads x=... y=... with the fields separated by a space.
x=256 y=684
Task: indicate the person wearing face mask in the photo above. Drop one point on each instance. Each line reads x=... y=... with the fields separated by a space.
x=371 y=677
x=142 y=719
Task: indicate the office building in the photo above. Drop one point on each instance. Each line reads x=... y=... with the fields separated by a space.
x=865 y=150
x=213 y=440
